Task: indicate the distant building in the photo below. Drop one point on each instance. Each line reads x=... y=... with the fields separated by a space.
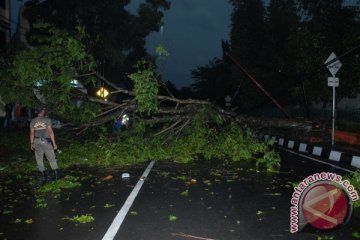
x=5 y=28
x=22 y=27
x=5 y=33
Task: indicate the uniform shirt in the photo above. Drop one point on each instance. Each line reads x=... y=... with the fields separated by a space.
x=40 y=124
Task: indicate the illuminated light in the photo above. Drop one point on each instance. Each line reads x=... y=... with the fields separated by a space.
x=125 y=119
x=39 y=83
x=103 y=93
x=74 y=83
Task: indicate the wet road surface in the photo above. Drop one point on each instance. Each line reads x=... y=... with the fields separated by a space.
x=197 y=201
x=224 y=204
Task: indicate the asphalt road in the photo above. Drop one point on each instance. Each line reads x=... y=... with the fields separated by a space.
x=197 y=201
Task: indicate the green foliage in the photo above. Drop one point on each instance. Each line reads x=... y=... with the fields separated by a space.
x=275 y=43
x=172 y=218
x=133 y=213
x=18 y=220
x=114 y=32
x=270 y=161
x=199 y=140
x=354 y=180
x=40 y=202
x=146 y=86
x=355 y=234
x=185 y=193
x=108 y=205
x=83 y=114
x=56 y=60
x=65 y=183
x=324 y=238
x=161 y=51
x=85 y=218
x=17 y=158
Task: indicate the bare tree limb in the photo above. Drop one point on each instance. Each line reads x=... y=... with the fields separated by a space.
x=83 y=130
x=102 y=78
x=166 y=88
x=111 y=110
x=176 y=107
x=182 y=127
x=180 y=110
x=165 y=98
x=85 y=75
x=97 y=100
x=168 y=128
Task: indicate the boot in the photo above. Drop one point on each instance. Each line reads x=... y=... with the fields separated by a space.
x=57 y=174
x=42 y=178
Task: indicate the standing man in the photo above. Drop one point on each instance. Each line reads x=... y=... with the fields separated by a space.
x=42 y=141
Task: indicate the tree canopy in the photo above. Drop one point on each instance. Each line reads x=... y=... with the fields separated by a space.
x=276 y=43
x=115 y=36
x=284 y=44
x=88 y=42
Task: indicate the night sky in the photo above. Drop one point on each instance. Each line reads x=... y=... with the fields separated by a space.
x=193 y=30
x=192 y=34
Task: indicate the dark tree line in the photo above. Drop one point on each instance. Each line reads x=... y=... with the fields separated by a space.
x=116 y=37
x=99 y=42
x=283 y=45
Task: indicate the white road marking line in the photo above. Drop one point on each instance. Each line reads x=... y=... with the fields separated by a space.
x=114 y=227
x=314 y=159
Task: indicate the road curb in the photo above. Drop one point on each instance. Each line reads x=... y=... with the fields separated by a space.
x=318 y=151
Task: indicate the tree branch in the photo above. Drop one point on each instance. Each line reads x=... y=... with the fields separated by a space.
x=114 y=86
x=109 y=103
x=168 y=128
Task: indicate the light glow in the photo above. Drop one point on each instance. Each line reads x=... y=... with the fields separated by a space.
x=103 y=93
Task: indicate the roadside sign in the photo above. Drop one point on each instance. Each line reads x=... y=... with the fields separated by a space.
x=333 y=67
x=333 y=81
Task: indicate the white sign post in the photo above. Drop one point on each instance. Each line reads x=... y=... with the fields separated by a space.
x=333 y=82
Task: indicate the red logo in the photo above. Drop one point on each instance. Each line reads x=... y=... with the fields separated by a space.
x=325 y=206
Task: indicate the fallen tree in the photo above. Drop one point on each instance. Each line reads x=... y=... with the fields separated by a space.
x=165 y=127
x=59 y=58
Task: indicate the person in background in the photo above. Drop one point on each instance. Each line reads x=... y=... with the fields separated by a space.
x=18 y=114
x=23 y=117
x=42 y=141
x=8 y=115
x=118 y=124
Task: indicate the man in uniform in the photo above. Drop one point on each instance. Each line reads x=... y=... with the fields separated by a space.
x=42 y=141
